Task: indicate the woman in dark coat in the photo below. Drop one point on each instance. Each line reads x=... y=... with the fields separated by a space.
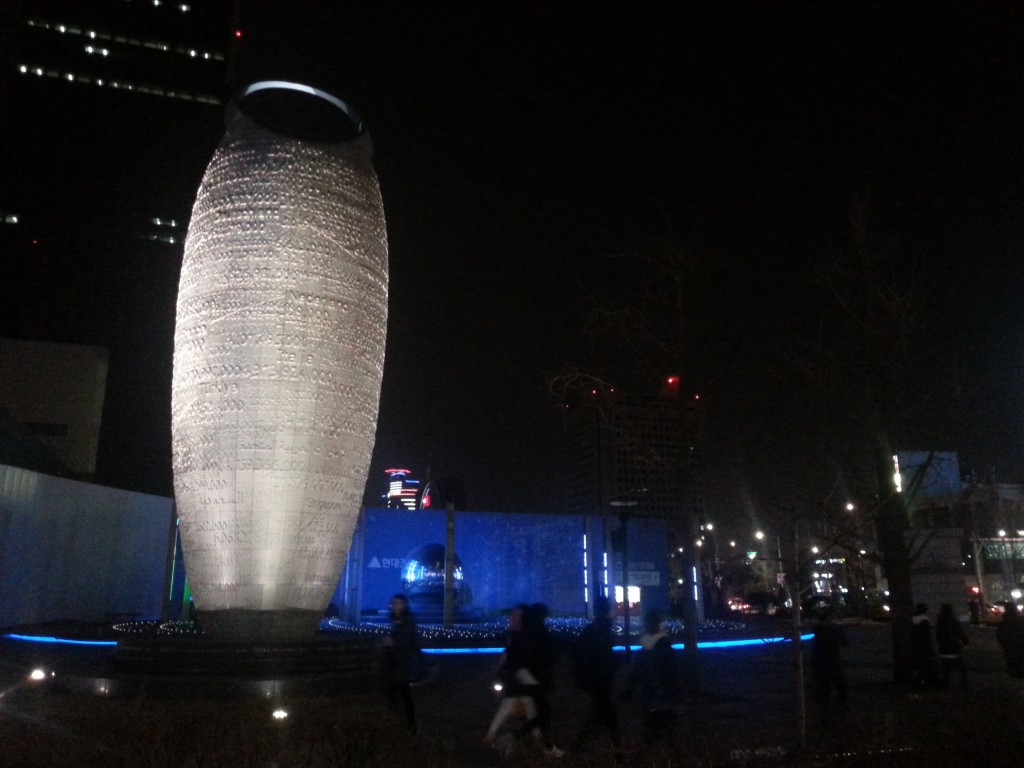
x=400 y=657
x=950 y=638
x=1010 y=634
x=826 y=658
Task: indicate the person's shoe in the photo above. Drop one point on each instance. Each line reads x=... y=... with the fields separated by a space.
x=554 y=751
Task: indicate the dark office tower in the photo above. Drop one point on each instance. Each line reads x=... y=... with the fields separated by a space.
x=109 y=112
x=641 y=455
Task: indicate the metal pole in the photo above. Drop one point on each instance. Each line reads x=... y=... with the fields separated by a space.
x=449 y=565
x=169 y=559
x=624 y=518
x=798 y=652
x=979 y=571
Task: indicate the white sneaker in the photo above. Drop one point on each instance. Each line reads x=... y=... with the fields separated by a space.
x=554 y=751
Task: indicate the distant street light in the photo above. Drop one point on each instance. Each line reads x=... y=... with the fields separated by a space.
x=623 y=507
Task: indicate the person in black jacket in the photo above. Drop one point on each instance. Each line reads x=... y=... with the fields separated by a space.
x=535 y=673
x=399 y=660
x=654 y=674
x=594 y=667
x=826 y=658
x=950 y=639
x=924 y=664
x=515 y=704
x=1010 y=634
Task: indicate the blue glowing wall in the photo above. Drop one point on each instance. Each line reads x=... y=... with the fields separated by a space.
x=506 y=559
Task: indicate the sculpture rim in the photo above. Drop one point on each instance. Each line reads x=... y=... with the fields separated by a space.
x=243 y=101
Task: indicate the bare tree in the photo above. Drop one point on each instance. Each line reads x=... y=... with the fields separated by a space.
x=863 y=363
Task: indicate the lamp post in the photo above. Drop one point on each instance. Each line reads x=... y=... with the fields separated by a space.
x=623 y=507
x=792 y=587
x=760 y=535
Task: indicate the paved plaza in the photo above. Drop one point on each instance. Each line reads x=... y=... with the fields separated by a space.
x=744 y=713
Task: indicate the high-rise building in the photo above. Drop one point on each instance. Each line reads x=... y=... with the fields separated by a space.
x=109 y=112
x=403 y=490
x=635 y=454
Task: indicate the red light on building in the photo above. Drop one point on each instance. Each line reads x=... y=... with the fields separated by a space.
x=238 y=34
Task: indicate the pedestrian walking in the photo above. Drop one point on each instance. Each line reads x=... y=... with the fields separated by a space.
x=923 y=661
x=535 y=674
x=975 y=610
x=1010 y=634
x=653 y=674
x=400 y=660
x=594 y=666
x=950 y=639
x=516 y=708
x=826 y=659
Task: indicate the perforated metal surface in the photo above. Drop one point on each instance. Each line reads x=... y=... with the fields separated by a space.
x=278 y=355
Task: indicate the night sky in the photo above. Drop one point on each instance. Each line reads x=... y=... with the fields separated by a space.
x=519 y=145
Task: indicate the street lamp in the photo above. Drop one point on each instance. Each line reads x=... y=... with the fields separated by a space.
x=623 y=507
x=759 y=535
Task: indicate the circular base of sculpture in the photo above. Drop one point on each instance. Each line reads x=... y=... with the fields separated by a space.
x=186 y=665
x=237 y=625
x=196 y=667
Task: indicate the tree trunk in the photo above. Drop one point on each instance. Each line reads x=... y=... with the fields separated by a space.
x=891 y=522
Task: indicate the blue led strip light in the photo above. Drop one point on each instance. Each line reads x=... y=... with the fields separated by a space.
x=60 y=640
x=619 y=648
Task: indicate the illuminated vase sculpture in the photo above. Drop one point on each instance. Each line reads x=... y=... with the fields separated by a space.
x=278 y=356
